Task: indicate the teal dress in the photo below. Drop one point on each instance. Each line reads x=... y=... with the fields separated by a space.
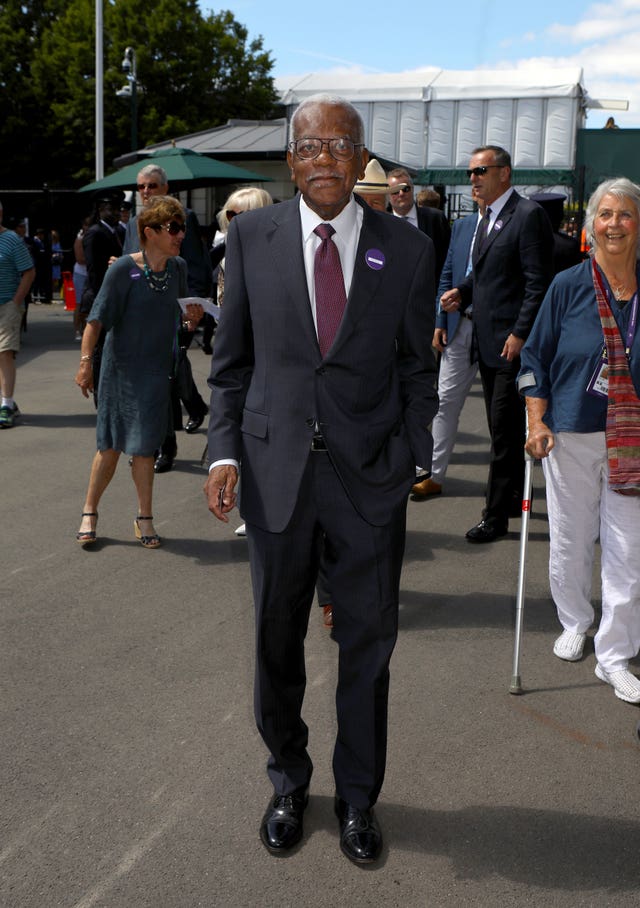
x=139 y=355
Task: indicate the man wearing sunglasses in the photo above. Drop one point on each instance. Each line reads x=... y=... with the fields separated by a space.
x=429 y=220
x=152 y=181
x=322 y=385
x=512 y=268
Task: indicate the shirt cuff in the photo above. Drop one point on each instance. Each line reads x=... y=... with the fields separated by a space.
x=219 y=463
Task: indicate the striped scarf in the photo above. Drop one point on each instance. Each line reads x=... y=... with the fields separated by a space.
x=623 y=406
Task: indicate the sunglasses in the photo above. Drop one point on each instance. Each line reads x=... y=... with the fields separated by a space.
x=173 y=227
x=402 y=189
x=481 y=171
x=142 y=186
x=231 y=214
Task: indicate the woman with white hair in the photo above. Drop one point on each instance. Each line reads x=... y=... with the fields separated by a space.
x=581 y=377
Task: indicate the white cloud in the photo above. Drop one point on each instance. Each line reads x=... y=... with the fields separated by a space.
x=605 y=43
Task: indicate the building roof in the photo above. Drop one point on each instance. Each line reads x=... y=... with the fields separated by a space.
x=237 y=138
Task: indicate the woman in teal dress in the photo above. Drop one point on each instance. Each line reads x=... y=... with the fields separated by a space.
x=138 y=307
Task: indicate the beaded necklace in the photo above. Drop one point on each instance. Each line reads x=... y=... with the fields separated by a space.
x=158 y=282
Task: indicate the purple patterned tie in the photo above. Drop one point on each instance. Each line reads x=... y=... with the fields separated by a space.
x=329 y=285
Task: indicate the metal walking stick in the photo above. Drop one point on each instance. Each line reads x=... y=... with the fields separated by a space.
x=525 y=381
x=516 y=684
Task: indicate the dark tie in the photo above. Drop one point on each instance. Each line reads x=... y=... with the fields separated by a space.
x=329 y=286
x=481 y=235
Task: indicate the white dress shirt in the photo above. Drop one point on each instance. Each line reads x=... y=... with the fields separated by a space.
x=347 y=226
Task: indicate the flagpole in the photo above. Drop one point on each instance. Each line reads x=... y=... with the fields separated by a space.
x=99 y=93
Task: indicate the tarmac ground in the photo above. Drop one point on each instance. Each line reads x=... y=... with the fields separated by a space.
x=131 y=772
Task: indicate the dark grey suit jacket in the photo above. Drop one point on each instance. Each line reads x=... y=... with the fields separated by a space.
x=373 y=394
x=510 y=277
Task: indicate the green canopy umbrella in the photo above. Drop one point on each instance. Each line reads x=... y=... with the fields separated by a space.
x=185 y=169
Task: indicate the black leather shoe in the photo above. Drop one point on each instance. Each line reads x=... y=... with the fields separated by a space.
x=194 y=424
x=485 y=532
x=281 y=826
x=163 y=463
x=360 y=834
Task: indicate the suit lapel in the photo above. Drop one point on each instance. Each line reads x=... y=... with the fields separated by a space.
x=285 y=241
x=366 y=277
x=501 y=222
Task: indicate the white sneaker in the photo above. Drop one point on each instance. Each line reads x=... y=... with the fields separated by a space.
x=569 y=646
x=241 y=531
x=625 y=685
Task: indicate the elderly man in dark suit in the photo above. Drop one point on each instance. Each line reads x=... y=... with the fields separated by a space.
x=512 y=268
x=153 y=181
x=429 y=220
x=322 y=387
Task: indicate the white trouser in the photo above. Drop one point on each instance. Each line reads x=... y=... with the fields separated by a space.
x=454 y=380
x=581 y=505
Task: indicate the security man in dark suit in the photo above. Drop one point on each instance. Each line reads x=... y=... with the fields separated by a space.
x=101 y=244
x=566 y=249
x=512 y=268
x=322 y=385
x=429 y=220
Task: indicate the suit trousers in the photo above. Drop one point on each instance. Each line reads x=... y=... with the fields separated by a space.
x=581 y=507
x=506 y=420
x=455 y=377
x=363 y=564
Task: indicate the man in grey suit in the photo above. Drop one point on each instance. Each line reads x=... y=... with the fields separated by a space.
x=512 y=268
x=327 y=427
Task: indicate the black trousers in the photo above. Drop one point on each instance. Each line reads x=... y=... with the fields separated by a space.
x=506 y=420
x=363 y=566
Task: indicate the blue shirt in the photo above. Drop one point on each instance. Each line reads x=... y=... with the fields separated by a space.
x=565 y=348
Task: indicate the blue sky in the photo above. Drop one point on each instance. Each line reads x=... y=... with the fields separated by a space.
x=602 y=38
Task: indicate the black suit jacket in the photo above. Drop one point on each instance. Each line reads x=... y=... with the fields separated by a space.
x=372 y=395
x=434 y=223
x=510 y=277
x=99 y=245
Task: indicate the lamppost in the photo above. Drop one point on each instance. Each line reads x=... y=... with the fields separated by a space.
x=131 y=90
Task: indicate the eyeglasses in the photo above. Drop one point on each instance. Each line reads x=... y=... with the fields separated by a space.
x=142 y=186
x=403 y=188
x=480 y=171
x=173 y=227
x=308 y=149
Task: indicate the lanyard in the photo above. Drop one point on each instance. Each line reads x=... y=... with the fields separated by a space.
x=633 y=322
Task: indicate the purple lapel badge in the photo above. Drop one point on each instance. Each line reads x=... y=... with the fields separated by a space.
x=375 y=259
x=497 y=225
x=135 y=274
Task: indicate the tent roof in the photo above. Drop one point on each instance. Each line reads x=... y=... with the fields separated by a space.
x=433 y=84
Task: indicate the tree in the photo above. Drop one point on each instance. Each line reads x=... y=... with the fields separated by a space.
x=193 y=73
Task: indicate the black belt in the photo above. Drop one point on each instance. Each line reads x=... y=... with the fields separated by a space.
x=318 y=443
x=467 y=315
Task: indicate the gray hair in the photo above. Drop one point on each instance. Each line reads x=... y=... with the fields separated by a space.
x=621 y=188
x=150 y=169
x=243 y=200
x=330 y=101
x=501 y=155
